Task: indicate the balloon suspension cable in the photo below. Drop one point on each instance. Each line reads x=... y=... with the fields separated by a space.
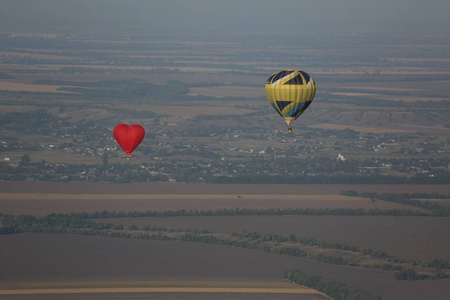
x=288 y=123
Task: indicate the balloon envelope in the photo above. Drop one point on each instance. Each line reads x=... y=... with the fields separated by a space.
x=290 y=92
x=129 y=136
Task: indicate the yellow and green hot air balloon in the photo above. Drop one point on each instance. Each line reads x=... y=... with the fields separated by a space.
x=290 y=92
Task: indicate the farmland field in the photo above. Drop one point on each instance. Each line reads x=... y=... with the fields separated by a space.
x=44 y=198
x=43 y=204
x=64 y=262
x=409 y=237
x=168 y=296
x=231 y=91
x=28 y=87
x=165 y=188
x=50 y=258
x=140 y=288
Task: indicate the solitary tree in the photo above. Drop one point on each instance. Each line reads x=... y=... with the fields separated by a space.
x=25 y=160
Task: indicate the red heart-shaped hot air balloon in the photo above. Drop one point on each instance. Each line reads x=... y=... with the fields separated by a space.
x=129 y=136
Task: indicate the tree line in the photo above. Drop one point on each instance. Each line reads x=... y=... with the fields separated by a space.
x=330 y=179
x=408 y=199
x=305 y=247
x=335 y=290
x=253 y=212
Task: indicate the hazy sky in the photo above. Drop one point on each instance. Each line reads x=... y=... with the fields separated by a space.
x=210 y=17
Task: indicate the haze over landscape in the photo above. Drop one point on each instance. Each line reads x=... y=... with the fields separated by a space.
x=219 y=201
x=200 y=18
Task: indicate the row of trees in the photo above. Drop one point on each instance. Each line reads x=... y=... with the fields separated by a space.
x=323 y=244
x=254 y=212
x=410 y=274
x=75 y=225
x=335 y=290
x=82 y=223
x=331 y=179
x=409 y=199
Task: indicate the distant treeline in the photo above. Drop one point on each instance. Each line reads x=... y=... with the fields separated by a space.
x=364 y=101
x=251 y=212
x=409 y=199
x=306 y=247
x=335 y=290
x=6 y=76
x=272 y=243
x=170 y=93
x=330 y=179
x=262 y=238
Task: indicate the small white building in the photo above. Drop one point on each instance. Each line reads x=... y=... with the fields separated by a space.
x=341 y=157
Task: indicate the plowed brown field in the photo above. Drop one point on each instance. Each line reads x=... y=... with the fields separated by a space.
x=42 y=198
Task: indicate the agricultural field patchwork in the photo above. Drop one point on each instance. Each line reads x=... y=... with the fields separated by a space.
x=219 y=200
x=138 y=239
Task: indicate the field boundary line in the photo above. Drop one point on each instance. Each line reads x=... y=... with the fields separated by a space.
x=243 y=197
x=159 y=290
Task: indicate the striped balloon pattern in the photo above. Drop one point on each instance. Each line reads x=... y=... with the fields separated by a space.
x=290 y=92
